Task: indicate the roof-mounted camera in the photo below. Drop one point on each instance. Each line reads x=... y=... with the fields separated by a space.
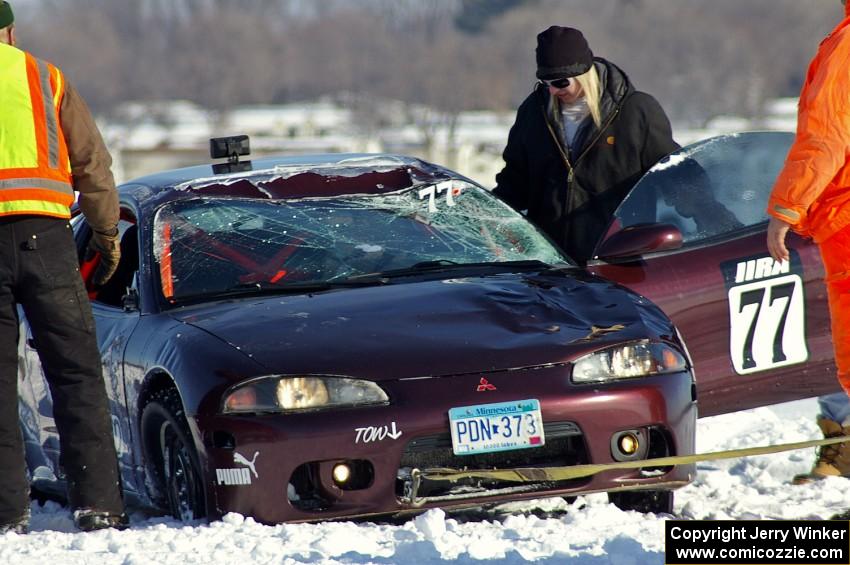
x=230 y=147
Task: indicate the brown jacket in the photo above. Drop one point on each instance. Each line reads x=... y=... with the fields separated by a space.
x=90 y=162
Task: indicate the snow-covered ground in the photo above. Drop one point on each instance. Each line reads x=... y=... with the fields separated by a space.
x=549 y=531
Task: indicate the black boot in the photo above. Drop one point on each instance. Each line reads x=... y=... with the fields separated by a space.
x=19 y=525
x=88 y=520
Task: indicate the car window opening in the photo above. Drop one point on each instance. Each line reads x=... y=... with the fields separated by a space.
x=113 y=291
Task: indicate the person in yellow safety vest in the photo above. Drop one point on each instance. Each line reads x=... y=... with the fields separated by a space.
x=50 y=148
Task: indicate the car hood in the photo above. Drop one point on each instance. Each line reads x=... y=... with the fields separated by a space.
x=432 y=328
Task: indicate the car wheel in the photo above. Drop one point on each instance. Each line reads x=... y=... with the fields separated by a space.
x=171 y=457
x=646 y=501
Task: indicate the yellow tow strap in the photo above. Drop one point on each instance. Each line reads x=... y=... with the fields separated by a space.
x=538 y=474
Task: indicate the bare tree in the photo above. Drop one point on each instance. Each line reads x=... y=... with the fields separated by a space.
x=698 y=58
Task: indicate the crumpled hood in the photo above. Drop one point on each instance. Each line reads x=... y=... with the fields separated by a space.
x=432 y=328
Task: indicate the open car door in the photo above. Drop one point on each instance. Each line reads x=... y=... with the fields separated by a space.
x=690 y=236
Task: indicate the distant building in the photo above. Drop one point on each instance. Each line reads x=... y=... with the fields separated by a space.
x=781 y=114
x=306 y=120
x=145 y=137
x=778 y=115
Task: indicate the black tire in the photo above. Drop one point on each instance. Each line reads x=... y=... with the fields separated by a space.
x=645 y=501
x=171 y=459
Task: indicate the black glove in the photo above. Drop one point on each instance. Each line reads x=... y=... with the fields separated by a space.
x=107 y=244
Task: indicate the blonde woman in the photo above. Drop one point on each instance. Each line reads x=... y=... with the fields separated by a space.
x=581 y=140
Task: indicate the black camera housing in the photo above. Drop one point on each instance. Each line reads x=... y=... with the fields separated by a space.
x=227 y=147
x=230 y=147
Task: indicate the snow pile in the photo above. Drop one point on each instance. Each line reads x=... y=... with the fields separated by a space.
x=546 y=532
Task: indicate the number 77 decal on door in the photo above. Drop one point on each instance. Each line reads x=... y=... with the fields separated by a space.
x=767 y=317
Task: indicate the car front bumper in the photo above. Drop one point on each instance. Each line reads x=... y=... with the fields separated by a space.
x=280 y=468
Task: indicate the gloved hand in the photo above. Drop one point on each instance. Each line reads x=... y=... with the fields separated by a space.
x=107 y=244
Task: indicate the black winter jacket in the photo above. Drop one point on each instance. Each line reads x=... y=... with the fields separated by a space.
x=572 y=195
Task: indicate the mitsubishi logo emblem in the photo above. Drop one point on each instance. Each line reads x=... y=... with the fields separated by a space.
x=483 y=385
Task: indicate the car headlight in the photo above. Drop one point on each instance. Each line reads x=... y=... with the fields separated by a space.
x=298 y=393
x=628 y=361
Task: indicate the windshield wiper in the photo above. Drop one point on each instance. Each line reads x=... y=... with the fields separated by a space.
x=264 y=287
x=445 y=266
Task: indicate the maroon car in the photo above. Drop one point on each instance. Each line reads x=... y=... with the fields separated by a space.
x=691 y=237
x=299 y=339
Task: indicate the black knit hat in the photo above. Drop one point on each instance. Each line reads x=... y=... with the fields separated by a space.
x=6 y=15
x=562 y=52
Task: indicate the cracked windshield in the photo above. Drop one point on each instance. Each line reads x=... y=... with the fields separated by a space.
x=213 y=246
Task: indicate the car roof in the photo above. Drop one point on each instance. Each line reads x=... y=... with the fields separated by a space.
x=290 y=177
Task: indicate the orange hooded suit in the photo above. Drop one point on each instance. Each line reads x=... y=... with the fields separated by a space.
x=812 y=193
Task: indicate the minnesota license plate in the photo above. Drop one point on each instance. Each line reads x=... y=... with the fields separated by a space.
x=503 y=426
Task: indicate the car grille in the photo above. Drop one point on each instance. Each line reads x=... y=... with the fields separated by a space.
x=564 y=446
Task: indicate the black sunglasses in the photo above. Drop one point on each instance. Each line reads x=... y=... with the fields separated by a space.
x=556 y=83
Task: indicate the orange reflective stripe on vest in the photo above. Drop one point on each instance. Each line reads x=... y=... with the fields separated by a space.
x=35 y=172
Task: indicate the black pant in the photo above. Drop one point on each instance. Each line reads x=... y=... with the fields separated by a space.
x=39 y=271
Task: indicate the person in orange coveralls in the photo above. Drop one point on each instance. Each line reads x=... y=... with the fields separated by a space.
x=812 y=197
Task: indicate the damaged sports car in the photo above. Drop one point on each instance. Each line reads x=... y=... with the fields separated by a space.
x=305 y=338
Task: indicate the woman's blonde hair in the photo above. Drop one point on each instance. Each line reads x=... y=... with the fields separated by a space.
x=589 y=83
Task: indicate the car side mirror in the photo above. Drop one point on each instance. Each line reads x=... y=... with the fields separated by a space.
x=640 y=239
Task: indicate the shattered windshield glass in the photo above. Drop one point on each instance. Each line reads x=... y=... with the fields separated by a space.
x=209 y=246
